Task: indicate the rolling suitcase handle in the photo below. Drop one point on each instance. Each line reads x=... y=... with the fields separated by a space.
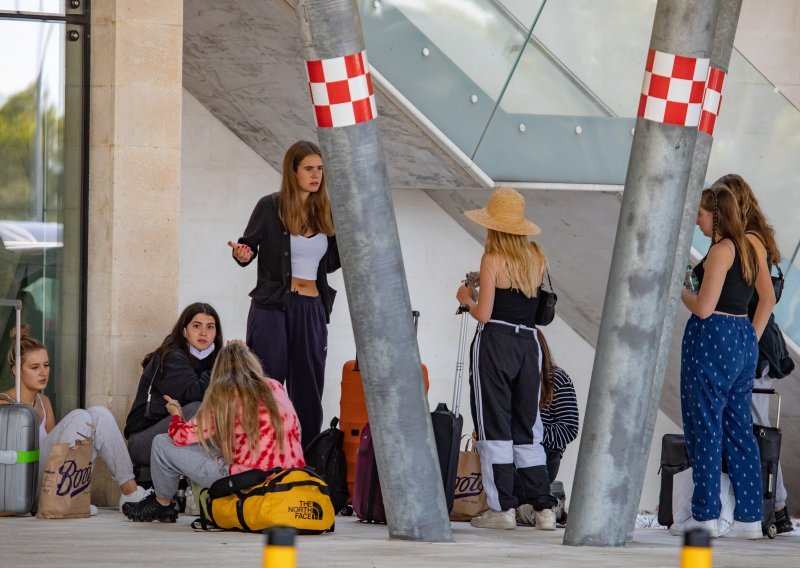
x=462 y=342
x=17 y=305
x=776 y=393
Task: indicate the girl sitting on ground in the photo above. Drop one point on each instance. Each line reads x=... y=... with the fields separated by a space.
x=180 y=368
x=246 y=421
x=96 y=422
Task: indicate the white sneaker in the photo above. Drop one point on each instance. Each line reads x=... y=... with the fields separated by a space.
x=750 y=531
x=92 y=511
x=134 y=497
x=495 y=520
x=545 y=520
x=525 y=515
x=710 y=526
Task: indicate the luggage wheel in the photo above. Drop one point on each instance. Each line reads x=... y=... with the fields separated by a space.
x=346 y=511
x=772 y=530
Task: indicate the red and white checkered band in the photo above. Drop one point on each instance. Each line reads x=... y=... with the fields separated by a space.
x=673 y=87
x=712 y=100
x=341 y=90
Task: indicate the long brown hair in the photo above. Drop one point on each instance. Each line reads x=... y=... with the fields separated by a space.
x=728 y=224
x=548 y=365
x=238 y=387
x=754 y=219
x=27 y=345
x=524 y=260
x=315 y=213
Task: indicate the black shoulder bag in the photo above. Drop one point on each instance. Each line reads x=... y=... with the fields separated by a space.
x=546 y=310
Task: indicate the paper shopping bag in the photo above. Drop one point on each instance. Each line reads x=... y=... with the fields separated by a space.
x=470 y=499
x=65 y=492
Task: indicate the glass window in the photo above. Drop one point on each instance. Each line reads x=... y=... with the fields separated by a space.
x=41 y=192
x=33 y=6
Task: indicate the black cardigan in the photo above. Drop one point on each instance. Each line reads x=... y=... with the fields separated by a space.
x=182 y=376
x=266 y=233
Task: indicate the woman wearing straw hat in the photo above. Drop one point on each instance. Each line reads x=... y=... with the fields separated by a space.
x=505 y=364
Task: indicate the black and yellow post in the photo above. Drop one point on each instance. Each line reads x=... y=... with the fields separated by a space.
x=696 y=549
x=279 y=550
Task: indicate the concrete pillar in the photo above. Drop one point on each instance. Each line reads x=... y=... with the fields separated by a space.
x=134 y=196
x=610 y=454
x=369 y=245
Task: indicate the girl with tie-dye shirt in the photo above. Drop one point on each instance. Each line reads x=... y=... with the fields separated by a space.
x=246 y=421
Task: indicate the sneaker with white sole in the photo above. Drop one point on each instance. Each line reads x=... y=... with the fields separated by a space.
x=495 y=520
x=134 y=497
x=545 y=520
x=710 y=526
x=525 y=515
x=749 y=531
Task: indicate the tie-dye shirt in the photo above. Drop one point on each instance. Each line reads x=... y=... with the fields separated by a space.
x=267 y=456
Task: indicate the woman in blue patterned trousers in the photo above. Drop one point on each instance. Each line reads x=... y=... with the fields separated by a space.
x=718 y=363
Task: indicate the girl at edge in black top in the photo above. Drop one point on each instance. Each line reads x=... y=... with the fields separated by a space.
x=774 y=360
x=291 y=303
x=179 y=368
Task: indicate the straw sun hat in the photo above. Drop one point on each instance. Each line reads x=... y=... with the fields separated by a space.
x=505 y=212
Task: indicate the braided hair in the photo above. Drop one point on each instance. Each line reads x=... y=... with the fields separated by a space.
x=728 y=224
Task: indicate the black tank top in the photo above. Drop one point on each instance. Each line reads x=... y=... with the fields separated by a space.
x=512 y=306
x=736 y=294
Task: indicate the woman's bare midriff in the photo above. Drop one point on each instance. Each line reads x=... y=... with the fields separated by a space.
x=304 y=287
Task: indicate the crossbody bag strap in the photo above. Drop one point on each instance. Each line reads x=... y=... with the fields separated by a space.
x=549 y=282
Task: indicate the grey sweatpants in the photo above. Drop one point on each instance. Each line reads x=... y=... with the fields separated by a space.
x=760 y=409
x=97 y=423
x=168 y=462
x=141 y=443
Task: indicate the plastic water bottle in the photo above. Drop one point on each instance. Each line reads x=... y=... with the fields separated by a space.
x=690 y=281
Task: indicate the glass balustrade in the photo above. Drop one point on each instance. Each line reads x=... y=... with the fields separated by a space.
x=547 y=91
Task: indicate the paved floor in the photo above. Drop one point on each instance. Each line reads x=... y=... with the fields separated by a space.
x=110 y=540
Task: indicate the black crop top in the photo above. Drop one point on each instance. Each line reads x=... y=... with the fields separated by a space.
x=512 y=306
x=735 y=294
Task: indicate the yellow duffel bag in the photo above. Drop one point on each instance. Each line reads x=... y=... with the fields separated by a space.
x=256 y=500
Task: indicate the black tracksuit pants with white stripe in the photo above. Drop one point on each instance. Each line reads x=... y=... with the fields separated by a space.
x=504 y=398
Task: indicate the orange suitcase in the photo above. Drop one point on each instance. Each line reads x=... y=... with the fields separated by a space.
x=353 y=412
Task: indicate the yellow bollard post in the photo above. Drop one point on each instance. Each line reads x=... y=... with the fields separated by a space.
x=696 y=549
x=279 y=550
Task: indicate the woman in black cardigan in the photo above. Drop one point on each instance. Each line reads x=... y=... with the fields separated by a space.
x=291 y=303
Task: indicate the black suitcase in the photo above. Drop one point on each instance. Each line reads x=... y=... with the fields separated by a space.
x=19 y=444
x=448 y=424
x=674 y=460
x=769 y=448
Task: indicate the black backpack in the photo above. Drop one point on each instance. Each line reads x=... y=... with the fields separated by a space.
x=325 y=454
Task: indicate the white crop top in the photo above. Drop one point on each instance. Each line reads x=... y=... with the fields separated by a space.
x=306 y=254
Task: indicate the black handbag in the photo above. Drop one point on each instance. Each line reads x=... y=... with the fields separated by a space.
x=777 y=284
x=546 y=310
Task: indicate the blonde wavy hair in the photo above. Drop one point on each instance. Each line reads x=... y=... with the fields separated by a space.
x=313 y=215
x=237 y=386
x=523 y=260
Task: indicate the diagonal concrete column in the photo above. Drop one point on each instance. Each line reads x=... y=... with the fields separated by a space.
x=369 y=245
x=610 y=455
